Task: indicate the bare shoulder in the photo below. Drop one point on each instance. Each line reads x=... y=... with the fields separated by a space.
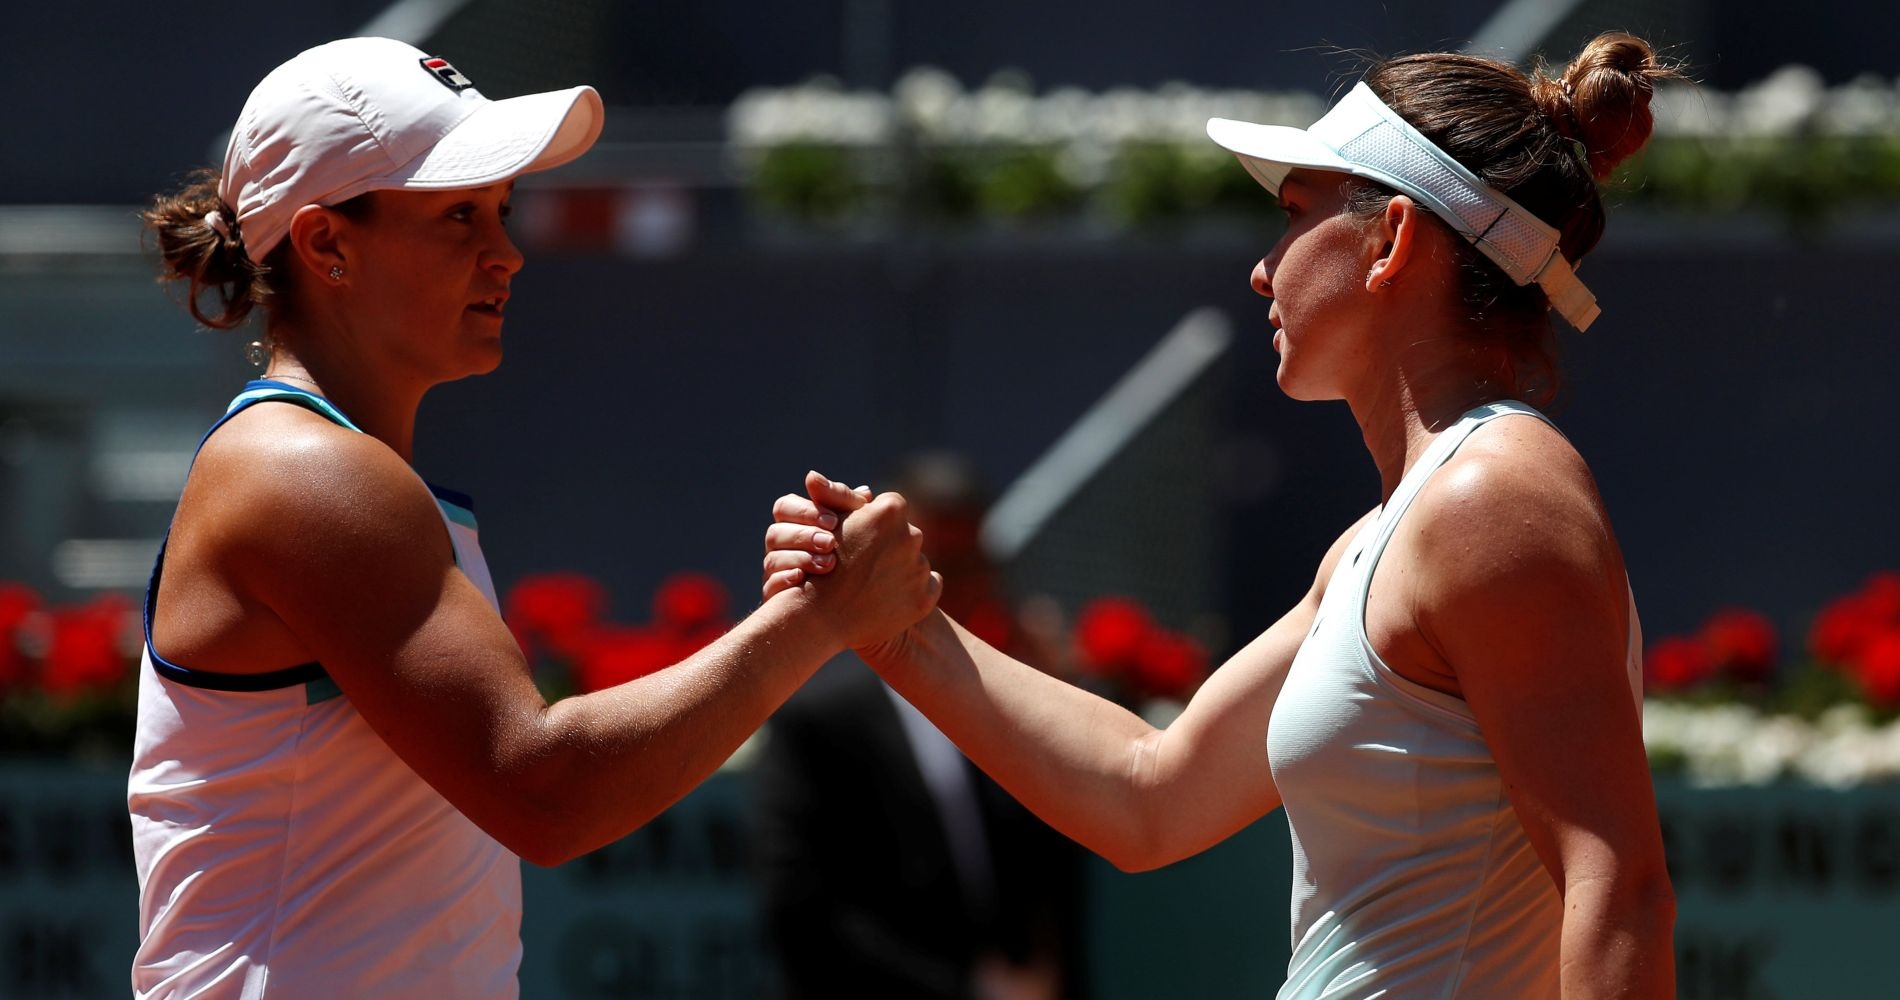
x=1516 y=497
x=280 y=481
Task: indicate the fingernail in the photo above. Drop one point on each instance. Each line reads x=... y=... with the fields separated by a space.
x=822 y=559
x=822 y=539
x=828 y=520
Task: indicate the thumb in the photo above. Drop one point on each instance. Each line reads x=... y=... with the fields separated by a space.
x=836 y=496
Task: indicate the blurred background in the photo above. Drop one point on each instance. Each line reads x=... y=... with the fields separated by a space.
x=842 y=233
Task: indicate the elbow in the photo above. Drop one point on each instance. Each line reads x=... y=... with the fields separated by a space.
x=1135 y=864
x=544 y=855
x=1658 y=899
x=539 y=838
x=548 y=835
x=1649 y=892
x=1643 y=901
x=540 y=824
x=1142 y=849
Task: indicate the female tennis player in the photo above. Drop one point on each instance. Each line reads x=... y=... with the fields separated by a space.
x=1451 y=715
x=340 y=749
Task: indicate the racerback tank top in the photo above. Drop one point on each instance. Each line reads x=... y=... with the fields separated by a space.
x=283 y=850
x=1412 y=876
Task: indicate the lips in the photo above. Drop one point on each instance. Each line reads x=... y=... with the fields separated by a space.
x=490 y=306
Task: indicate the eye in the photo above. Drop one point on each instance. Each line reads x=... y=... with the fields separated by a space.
x=463 y=212
x=507 y=212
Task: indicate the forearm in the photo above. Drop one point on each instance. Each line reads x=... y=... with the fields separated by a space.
x=1077 y=760
x=605 y=763
x=1618 y=939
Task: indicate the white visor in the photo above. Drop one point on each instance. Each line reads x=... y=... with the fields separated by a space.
x=1363 y=137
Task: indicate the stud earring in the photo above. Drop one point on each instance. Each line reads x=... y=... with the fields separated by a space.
x=336 y=272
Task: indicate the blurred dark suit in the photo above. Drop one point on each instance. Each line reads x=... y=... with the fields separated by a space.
x=865 y=895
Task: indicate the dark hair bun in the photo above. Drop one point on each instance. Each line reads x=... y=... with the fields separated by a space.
x=225 y=284
x=1602 y=99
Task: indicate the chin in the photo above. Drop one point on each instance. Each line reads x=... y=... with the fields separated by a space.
x=473 y=365
x=1302 y=390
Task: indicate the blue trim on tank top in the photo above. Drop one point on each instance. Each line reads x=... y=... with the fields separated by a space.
x=318 y=685
x=271 y=680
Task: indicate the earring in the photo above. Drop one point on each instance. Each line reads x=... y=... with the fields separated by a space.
x=336 y=272
x=257 y=353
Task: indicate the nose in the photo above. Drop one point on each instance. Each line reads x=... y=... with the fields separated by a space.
x=503 y=255
x=1262 y=278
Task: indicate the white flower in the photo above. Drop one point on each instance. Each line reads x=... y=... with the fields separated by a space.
x=1780 y=104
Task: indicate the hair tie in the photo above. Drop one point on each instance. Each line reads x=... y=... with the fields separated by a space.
x=215 y=219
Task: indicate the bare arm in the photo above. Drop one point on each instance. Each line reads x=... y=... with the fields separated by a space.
x=1138 y=796
x=1520 y=586
x=372 y=593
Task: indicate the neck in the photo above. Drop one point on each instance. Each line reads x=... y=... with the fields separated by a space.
x=382 y=405
x=1403 y=407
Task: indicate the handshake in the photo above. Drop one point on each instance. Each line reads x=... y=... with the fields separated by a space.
x=855 y=557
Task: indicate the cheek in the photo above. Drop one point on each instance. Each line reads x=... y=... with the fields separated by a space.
x=1325 y=268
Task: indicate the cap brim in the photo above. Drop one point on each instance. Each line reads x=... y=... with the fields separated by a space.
x=506 y=138
x=1270 y=152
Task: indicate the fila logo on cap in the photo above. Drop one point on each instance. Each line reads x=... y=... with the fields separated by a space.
x=451 y=77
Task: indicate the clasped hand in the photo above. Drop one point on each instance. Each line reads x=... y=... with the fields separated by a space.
x=855 y=554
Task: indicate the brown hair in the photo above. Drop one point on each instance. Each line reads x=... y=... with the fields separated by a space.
x=1545 y=141
x=212 y=262
x=224 y=283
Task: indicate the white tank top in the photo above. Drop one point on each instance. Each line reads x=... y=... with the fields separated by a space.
x=283 y=850
x=1412 y=876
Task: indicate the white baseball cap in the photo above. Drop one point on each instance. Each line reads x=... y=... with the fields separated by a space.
x=368 y=114
x=1364 y=137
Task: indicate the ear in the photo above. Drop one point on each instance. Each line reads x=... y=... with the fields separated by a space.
x=317 y=240
x=1400 y=228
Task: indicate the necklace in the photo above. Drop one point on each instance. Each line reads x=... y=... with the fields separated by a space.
x=299 y=378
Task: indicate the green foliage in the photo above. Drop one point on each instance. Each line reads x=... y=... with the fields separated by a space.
x=1025 y=182
x=809 y=181
x=1807 y=180
x=85 y=724
x=1813 y=688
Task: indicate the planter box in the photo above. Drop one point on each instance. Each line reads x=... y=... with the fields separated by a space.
x=1786 y=891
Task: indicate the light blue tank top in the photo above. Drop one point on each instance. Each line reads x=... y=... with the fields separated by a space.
x=1412 y=876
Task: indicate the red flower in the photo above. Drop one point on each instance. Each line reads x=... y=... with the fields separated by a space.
x=689 y=601
x=1676 y=663
x=86 y=652
x=18 y=604
x=991 y=622
x=1878 y=670
x=1110 y=632
x=1169 y=664
x=1741 y=644
x=1881 y=596
x=616 y=655
x=1842 y=630
x=554 y=612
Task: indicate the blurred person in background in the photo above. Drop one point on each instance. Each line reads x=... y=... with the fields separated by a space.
x=340 y=750
x=889 y=865
x=1451 y=715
